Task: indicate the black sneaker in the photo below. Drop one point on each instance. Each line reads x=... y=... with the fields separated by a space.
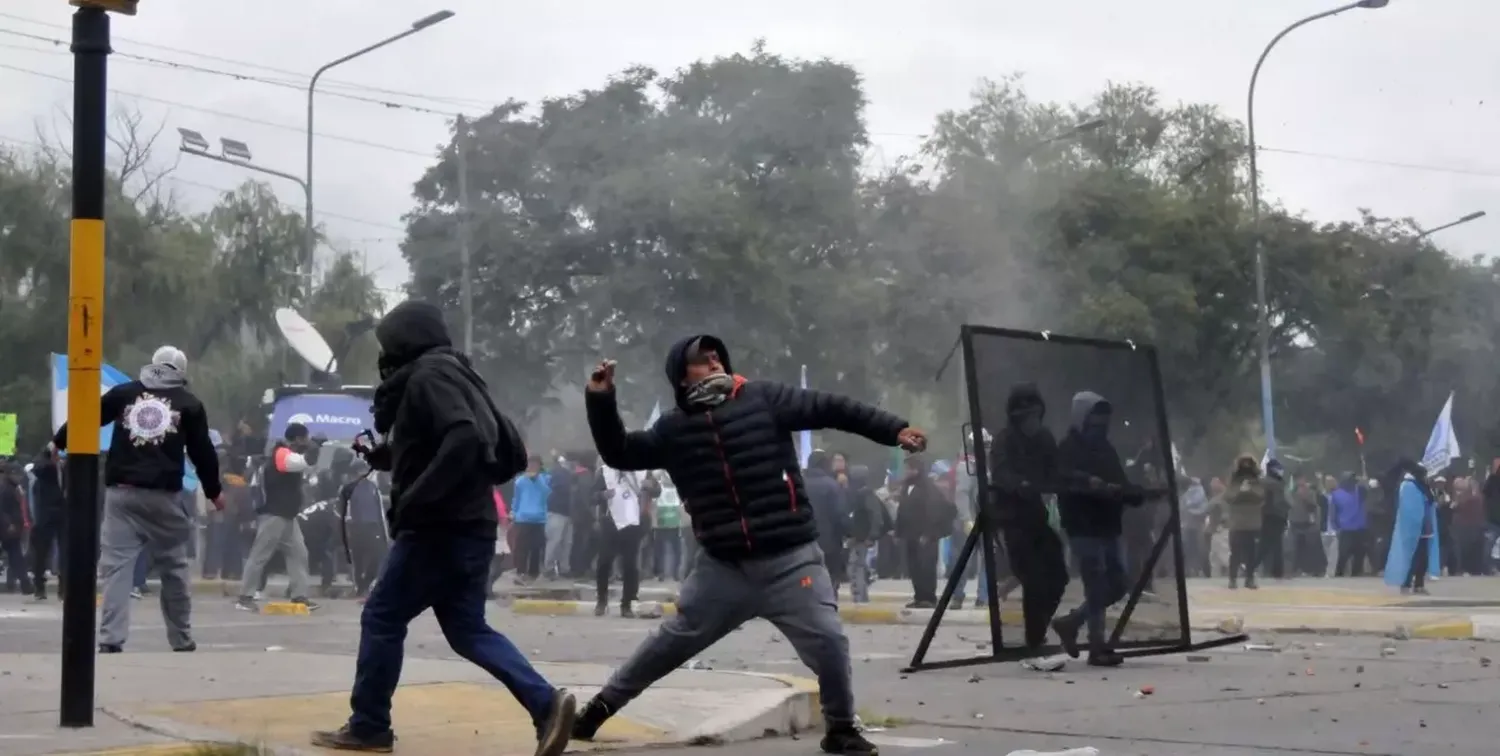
x=188 y=649
x=627 y=612
x=111 y=648
x=1105 y=657
x=847 y=740
x=601 y=609
x=246 y=604
x=593 y=716
x=343 y=739
x=312 y=606
x=552 y=736
x=957 y=602
x=1067 y=634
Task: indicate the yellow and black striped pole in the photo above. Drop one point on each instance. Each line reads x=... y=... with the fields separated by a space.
x=85 y=355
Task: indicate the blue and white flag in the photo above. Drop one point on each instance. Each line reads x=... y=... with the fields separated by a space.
x=1442 y=443
x=109 y=377
x=804 y=439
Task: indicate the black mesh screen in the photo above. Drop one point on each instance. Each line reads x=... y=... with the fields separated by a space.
x=1125 y=376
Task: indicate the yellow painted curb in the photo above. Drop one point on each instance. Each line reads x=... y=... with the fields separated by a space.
x=285 y=609
x=1455 y=630
x=570 y=608
x=162 y=749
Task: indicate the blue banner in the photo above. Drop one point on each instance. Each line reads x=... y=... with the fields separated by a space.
x=336 y=417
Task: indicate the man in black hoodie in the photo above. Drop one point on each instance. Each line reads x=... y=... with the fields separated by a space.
x=13 y=526
x=159 y=425
x=1024 y=465
x=46 y=531
x=446 y=447
x=728 y=447
x=1092 y=507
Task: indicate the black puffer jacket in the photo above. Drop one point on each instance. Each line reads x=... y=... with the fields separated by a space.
x=735 y=466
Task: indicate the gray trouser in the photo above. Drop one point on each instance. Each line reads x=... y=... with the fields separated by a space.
x=137 y=519
x=791 y=590
x=859 y=572
x=559 y=543
x=272 y=534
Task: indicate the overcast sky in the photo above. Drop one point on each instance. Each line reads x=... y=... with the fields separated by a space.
x=1370 y=90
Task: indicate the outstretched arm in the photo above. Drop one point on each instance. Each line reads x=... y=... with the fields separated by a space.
x=799 y=409
x=619 y=448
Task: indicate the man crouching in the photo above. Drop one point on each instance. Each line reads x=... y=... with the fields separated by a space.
x=728 y=447
x=446 y=447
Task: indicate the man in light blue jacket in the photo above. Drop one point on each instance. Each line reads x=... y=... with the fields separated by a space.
x=529 y=511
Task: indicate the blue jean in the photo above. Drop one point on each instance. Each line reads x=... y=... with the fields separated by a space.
x=450 y=575
x=142 y=570
x=1100 y=562
x=667 y=543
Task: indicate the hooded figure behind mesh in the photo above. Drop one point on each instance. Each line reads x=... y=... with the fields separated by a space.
x=728 y=448
x=446 y=447
x=159 y=426
x=1092 y=508
x=1023 y=462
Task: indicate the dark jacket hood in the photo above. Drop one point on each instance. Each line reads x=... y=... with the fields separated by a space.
x=410 y=330
x=1245 y=468
x=1084 y=404
x=1024 y=395
x=677 y=362
x=859 y=477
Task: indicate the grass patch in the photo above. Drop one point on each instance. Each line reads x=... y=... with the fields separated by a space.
x=886 y=721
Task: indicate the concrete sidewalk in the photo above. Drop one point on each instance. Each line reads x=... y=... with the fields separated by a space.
x=164 y=702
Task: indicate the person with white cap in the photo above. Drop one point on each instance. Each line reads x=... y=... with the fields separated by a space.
x=159 y=425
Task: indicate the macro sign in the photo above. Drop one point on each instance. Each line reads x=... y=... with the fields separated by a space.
x=334 y=416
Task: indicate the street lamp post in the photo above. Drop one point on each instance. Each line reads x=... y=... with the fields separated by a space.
x=417 y=26
x=1267 y=413
x=1474 y=216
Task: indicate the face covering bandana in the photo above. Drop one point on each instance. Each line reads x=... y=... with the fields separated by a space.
x=711 y=391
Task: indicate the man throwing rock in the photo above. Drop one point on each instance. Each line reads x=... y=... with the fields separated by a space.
x=728 y=447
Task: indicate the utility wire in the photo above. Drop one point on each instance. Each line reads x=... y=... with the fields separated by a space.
x=300 y=76
x=293 y=84
x=171 y=64
x=42 y=149
x=233 y=116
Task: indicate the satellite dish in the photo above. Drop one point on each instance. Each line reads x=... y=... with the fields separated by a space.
x=306 y=340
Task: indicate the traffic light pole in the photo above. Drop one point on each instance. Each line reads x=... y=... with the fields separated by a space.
x=85 y=356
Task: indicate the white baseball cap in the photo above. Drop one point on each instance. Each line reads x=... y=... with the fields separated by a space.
x=172 y=357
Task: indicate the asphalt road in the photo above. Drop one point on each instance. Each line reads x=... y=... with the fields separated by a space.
x=1316 y=695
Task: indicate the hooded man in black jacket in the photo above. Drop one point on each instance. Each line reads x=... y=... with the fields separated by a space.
x=1024 y=466
x=159 y=426
x=728 y=447
x=1092 y=509
x=446 y=448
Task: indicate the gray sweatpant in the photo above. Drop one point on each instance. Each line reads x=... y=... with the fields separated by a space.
x=272 y=534
x=156 y=521
x=791 y=590
x=559 y=542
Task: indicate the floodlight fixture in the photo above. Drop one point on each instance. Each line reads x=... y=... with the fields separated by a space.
x=234 y=149
x=193 y=141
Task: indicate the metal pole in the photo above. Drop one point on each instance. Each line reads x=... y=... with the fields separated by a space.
x=1267 y=413
x=1466 y=219
x=466 y=212
x=85 y=356
x=310 y=243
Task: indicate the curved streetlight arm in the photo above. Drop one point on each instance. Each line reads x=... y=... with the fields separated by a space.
x=312 y=86
x=1474 y=216
x=1255 y=76
x=1268 y=419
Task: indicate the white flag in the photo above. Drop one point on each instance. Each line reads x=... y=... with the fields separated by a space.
x=1442 y=444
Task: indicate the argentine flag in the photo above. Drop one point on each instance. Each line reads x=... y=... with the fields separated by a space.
x=109 y=377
